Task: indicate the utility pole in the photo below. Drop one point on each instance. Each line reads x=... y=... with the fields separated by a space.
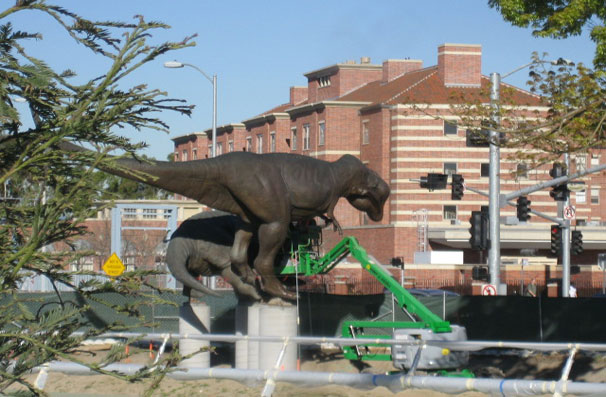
x=565 y=235
x=494 y=205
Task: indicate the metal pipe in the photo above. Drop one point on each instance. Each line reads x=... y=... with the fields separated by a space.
x=452 y=345
x=565 y=237
x=395 y=383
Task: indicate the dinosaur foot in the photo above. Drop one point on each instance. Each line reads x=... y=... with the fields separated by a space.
x=277 y=290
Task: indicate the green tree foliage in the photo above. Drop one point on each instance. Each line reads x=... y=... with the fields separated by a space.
x=559 y=19
x=52 y=191
x=571 y=119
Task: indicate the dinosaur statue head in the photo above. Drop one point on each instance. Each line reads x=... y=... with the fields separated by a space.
x=367 y=191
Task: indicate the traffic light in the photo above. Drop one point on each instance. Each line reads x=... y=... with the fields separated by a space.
x=556 y=239
x=457 y=187
x=559 y=192
x=479 y=230
x=577 y=242
x=479 y=273
x=434 y=181
x=523 y=208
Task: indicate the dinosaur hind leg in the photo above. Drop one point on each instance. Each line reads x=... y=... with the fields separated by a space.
x=239 y=254
x=271 y=238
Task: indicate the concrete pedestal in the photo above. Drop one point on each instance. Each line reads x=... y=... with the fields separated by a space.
x=241 y=349
x=277 y=320
x=194 y=318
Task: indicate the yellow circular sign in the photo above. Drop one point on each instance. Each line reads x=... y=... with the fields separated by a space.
x=113 y=267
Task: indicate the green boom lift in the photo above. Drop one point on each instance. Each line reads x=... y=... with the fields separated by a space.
x=424 y=324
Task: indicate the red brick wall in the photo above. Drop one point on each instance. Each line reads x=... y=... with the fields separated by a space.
x=393 y=68
x=460 y=65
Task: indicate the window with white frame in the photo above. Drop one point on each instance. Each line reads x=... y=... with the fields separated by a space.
x=184 y=157
x=210 y=151
x=321 y=133
x=176 y=156
x=580 y=162
x=293 y=138
x=595 y=159
x=259 y=143
x=248 y=143
x=306 y=137
x=130 y=213
x=194 y=154
x=150 y=213
x=219 y=148
x=230 y=146
x=324 y=81
x=450 y=212
x=595 y=195
x=365 y=133
x=272 y=141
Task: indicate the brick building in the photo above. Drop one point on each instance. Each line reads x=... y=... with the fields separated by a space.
x=394 y=117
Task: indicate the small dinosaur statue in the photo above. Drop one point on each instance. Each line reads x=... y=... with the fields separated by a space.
x=267 y=191
x=201 y=246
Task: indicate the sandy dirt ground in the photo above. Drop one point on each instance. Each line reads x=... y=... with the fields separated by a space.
x=587 y=368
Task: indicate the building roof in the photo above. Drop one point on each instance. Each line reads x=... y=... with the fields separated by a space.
x=425 y=86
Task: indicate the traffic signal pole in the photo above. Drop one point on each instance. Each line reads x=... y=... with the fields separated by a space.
x=494 y=205
x=565 y=237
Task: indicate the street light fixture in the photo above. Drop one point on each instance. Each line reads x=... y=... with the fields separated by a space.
x=495 y=200
x=213 y=81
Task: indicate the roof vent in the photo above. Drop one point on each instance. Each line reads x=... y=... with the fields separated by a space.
x=365 y=60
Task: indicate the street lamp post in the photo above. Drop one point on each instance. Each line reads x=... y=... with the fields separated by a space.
x=213 y=81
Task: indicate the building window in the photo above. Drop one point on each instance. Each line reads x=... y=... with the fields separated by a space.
x=176 y=156
x=365 y=133
x=150 y=213
x=450 y=168
x=219 y=148
x=184 y=157
x=522 y=171
x=167 y=213
x=450 y=212
x=260 y=143
x=450 y=128
x=306 y=137
x=595 y=195
x=485 y=170
x=194 y=154
x=293 y=138
x=230 y=146
x=130 y=213
x=581 y=163
x=595 y=159
x=248 y=144
x=324 y=81
x=210 y=150
x=321 y=133
x=272 y=142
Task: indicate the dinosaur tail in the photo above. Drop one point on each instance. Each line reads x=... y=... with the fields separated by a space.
x=180 y=272
x=176 y=259
x=161 y=174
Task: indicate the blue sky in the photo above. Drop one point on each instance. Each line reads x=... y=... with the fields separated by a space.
x=258 y=49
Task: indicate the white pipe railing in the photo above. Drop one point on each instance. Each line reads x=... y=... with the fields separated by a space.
x=395 y=383
x=309 y=340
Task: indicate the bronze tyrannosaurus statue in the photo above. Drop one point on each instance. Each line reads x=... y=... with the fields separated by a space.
x=267 y=191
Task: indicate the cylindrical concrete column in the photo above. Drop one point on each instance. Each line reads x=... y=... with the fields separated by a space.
x=277 y=321
x=253 y=330
x=242 y=329
x=194 y=318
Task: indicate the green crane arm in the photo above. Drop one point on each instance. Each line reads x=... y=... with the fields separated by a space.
x=349 y=245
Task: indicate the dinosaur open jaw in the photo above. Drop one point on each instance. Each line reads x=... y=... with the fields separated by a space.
x=368 y=204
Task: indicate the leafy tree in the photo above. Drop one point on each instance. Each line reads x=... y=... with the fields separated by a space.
x=572 y=118
x=53 y=191
x=559 y=19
